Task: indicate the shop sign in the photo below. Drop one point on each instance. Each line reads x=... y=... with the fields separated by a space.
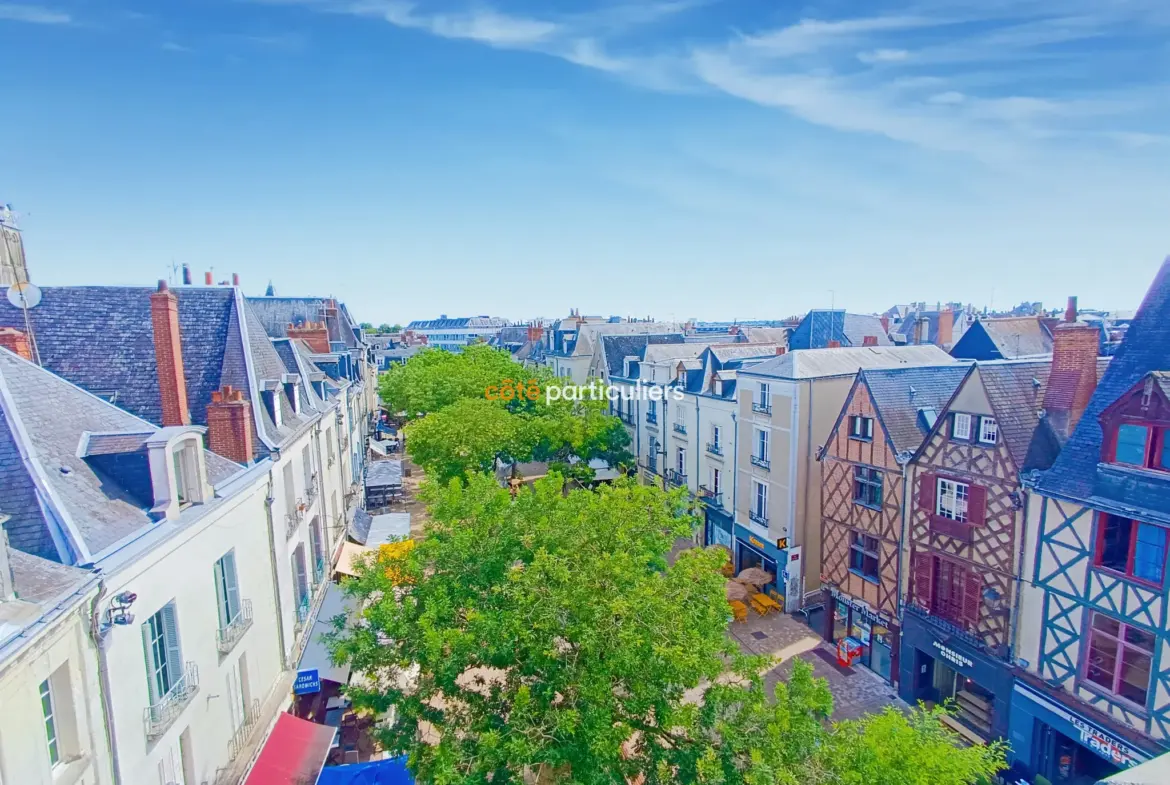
x=952 y=656
x=756 y=542
x=860 y=607
x=307 y=682
x=1105 y=745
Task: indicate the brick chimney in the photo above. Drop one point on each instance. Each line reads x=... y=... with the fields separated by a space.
x=834 y=344
x=869 y=340
x=1074 y=371
x=535 y=331
x=946 y=328
x=781 y=350
x=885 y=320
x=332 y=325
x=16 y=342
x=229 y=425
x=168 y=355
x=315 y=334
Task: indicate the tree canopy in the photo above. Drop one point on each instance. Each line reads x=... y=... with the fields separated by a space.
x=478 y=405
x=547 y=636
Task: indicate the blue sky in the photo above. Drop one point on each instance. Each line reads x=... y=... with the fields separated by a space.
x=719 y=158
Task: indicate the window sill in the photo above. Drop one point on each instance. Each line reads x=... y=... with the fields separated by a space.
x=982 y=443
x=1125 y=703
x=864 y=577
x=874 y=507
x=860 y=438
x=67 y=773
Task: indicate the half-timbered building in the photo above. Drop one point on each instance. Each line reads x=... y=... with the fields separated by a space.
x=866 y=461
x=1096 y=695
x=965 y=535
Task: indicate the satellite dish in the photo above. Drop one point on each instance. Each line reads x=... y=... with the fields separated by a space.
x=24 y=295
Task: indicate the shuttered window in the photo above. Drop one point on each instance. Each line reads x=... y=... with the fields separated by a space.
x=227 y=589
x=955 y=507
x=164 y=661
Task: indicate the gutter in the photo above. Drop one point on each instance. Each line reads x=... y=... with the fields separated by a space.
x=268 y=499
x=104 y=683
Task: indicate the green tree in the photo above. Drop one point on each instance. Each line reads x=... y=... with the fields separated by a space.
x=548 y=636
x=366 y=326
x=385 y=328
x=468 y=436
x=396 y=328
x=433 y=378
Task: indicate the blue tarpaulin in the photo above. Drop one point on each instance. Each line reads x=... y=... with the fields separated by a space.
x=382 y=772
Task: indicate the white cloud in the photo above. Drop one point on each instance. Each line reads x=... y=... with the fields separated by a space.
x=482 y=24
x=33 y=14
x=883 y=56
x=949 y=97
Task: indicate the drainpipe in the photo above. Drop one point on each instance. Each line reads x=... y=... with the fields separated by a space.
x=268 y=499
x=808 y=454
x=907 y=500
x=1018 y=578
x=104 y=681
x=734 y=470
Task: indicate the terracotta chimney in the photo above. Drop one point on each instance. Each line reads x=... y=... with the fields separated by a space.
x=168 y=355
x=332 y=325
x=1074 y=371
x=885 y=320
x=946 y=328
x=781 y=350
x=535 y=331
x=315 y=334
x=235 y=279
x=16 y=342
x=229 y=425
x=207 y=278
x=834 y=344
x=869 y=340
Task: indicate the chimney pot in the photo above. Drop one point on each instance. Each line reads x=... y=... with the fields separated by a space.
x=235 y=279
x=186 y=275
x=1070 y=313
x=946 y=328
x=834 y=344
x=229 y=425
x=869 y=340
x=162 y=285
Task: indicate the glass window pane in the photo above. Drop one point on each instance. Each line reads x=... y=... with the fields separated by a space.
x=1102 y=661
x=1115 y=543
x=1150 y=554
x=1135 y=676
x=1107 y=624
x=1139 y=638
x=1131 y=444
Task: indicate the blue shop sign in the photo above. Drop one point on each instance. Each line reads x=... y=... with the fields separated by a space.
x=307 y=682
x=960 y=656
x=1081 y=729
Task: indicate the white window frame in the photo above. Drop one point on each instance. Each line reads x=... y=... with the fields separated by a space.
x=862 y=427
x=164 y=655
x=227 y=589
x=760 y=499
x=716 y=433
x=716 y=480
x=963 y=434
x=988 y=435
x=52 y=734
x=764 y=396
x=680 y=458
x=763 y=443
x=951 y=499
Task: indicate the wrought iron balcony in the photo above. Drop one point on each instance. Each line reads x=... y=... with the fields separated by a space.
x=240 y=737
x=162 y=714
x=679 y=428
x=311 y=490
x=652 y=417
x=303 y=608
x=227 y=637
x=626 y=417
x=711 y=498
x=756 y=517
x=294 y=518
x=950 y=627
x=675 y=477
x=715 y=448
x=762 y=408
x=763 y=463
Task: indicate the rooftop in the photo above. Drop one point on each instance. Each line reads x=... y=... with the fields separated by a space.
x=820 y=363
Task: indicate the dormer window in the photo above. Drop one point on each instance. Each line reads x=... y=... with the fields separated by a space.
x=717 y=386
x=988 y=430
x=1143 y=445
x=961 y=426
x=270 y=394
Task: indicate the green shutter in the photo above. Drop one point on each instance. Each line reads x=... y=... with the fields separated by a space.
x=148 y=651
x=174 y=655
x=231 y=583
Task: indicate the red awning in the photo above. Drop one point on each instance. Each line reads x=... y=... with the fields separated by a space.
x=293 y=754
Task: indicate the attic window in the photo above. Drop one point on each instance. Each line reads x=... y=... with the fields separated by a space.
x=718 y=386
x=272 y=405
x=1143 y=445
x=293 y=395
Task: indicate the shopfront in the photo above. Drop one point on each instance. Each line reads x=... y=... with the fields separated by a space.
x=937 y=665
x=1067 y=744
x=753 y=551
x=718 y=529
x=875 y=633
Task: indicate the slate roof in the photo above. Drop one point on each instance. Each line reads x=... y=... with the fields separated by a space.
x=821 y=326
x=68 y=509
x=900 y=395
x=616 y=348
x=277 y=313
x=1012 y=337
x=589 y=335
x=101 y=339
x=1146 y=348
x=463 y=321
x=817 y=363
x=384 y=473
x=1015 y=390
x=774 y=335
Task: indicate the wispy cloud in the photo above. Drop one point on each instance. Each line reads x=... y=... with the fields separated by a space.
x=33 y=14
x=479 y=24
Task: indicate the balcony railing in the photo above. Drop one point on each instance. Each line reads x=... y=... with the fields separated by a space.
x=675 y=477
x=240 y=737
x=679 y=428
x=227 y=637
x=318 y=570
x=311 y=490
x=762 y=408
x=715 y=448
x=948 y=626
x=763 y=463
x=756 y=517
x=627 y=417
x=293 y=519
x=652 y=417
x=710 y=497
x=161 y=715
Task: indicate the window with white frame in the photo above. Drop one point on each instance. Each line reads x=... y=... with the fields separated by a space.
x=759 y=501
x=715 y=435
x=988 y=430
x=227 y=589
x=763 y=397
x=716 y=481
x=961 y=426
x=680 y=464
x=49 y=710
x=951 y=500
x=164 y=661
x=761 y=444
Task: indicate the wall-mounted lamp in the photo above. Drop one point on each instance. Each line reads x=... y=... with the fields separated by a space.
x=119 y=611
